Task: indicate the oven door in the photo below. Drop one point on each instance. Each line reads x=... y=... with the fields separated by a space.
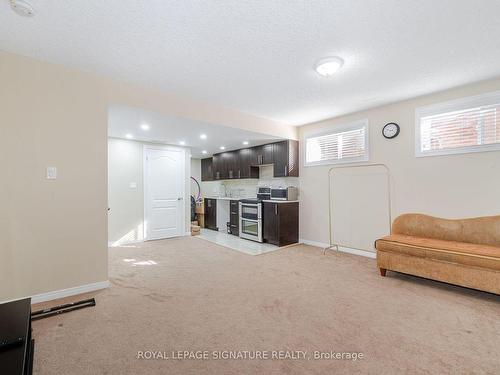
x=251 y=229
x=250 y=211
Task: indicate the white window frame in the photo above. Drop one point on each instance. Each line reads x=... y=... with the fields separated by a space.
x=451 y=106
x=339 y=129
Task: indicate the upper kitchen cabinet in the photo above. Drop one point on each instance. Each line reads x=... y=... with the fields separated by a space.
x=246 y=170
x=207 y=173
x=262 y=155
x=244 y=163
x=286 y=158
x=219 y=167
x=231 y=164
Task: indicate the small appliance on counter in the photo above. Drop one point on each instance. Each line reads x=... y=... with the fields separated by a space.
x=264 y=193
x=290 y=193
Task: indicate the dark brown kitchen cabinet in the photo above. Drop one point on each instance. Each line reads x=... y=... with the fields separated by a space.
x=211 y=213
x=219 y=167
x=244 y=163
x=207 y=173
x=234 y=217
x=245 y=168
x=286 y=158
x=262 y=155
x=281 y=223
x=231 y=164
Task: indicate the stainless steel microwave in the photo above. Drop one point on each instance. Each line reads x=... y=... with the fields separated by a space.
x=290 y=193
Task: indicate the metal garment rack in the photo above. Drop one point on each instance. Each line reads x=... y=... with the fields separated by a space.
x=330 y=175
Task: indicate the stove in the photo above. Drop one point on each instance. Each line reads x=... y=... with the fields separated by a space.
x=251 y=219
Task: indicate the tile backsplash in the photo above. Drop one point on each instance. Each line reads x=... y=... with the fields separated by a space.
x=247 y=187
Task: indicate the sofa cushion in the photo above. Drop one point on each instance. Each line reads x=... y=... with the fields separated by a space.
x=448 y=251
x=478 y=230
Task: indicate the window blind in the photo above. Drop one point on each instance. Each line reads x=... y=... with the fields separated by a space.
x=339 y=146
x=465 y=128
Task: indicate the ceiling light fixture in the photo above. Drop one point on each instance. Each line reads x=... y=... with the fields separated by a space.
x=182 y=143
x=22 y=8
x=145 y=127
x=222 y=147
x=204 y=152
x=129 y=136
x=329 y=66
x=245 y=142
x=203 y=136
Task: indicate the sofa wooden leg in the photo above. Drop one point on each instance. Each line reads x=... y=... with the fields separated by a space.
x=382 y=271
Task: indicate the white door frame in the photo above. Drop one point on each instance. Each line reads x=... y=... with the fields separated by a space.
x=145 y=185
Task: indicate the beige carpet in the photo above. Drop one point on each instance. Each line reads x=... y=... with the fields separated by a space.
x=189 y=294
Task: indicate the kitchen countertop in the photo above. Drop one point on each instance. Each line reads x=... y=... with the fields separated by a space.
x=278 y=201
x=237 y=199
x=226 y=198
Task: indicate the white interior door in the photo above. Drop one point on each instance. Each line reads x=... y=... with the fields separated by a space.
x=164 y=192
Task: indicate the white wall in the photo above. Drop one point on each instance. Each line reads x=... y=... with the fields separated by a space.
x=125 y=166
x=53 y=234
x=451 y=186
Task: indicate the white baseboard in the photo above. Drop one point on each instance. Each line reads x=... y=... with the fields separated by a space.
x=313 y=243
x=49 y=296
x=364 y=253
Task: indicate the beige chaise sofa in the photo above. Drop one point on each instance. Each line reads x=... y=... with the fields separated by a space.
x=462 y=252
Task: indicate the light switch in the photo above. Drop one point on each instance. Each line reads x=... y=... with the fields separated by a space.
x=51 y=173
x=133 y=185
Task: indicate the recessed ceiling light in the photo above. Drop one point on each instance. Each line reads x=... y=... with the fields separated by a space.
x=222 y=147
x=182 y=143
x=245 y=142
x=22 y=8
x=129 y=136
x=203 y=136
x=329 y=66
x=145 y=127
x=204 y=152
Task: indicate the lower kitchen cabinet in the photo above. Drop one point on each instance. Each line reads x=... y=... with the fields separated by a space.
x=234 y=217
x=281 y=223
x=211 y=213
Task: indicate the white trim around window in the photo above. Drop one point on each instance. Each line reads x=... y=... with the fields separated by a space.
x=457 y=117
x=329 y=144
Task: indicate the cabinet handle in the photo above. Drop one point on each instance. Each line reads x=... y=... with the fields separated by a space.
x=286 y=170
x=275 y=209
x=239 y=173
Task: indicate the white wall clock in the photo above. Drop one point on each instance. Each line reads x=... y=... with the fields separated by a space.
x=390 y=130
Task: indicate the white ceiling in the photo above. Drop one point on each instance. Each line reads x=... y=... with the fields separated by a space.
x=172 y=130
x=258 y=56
